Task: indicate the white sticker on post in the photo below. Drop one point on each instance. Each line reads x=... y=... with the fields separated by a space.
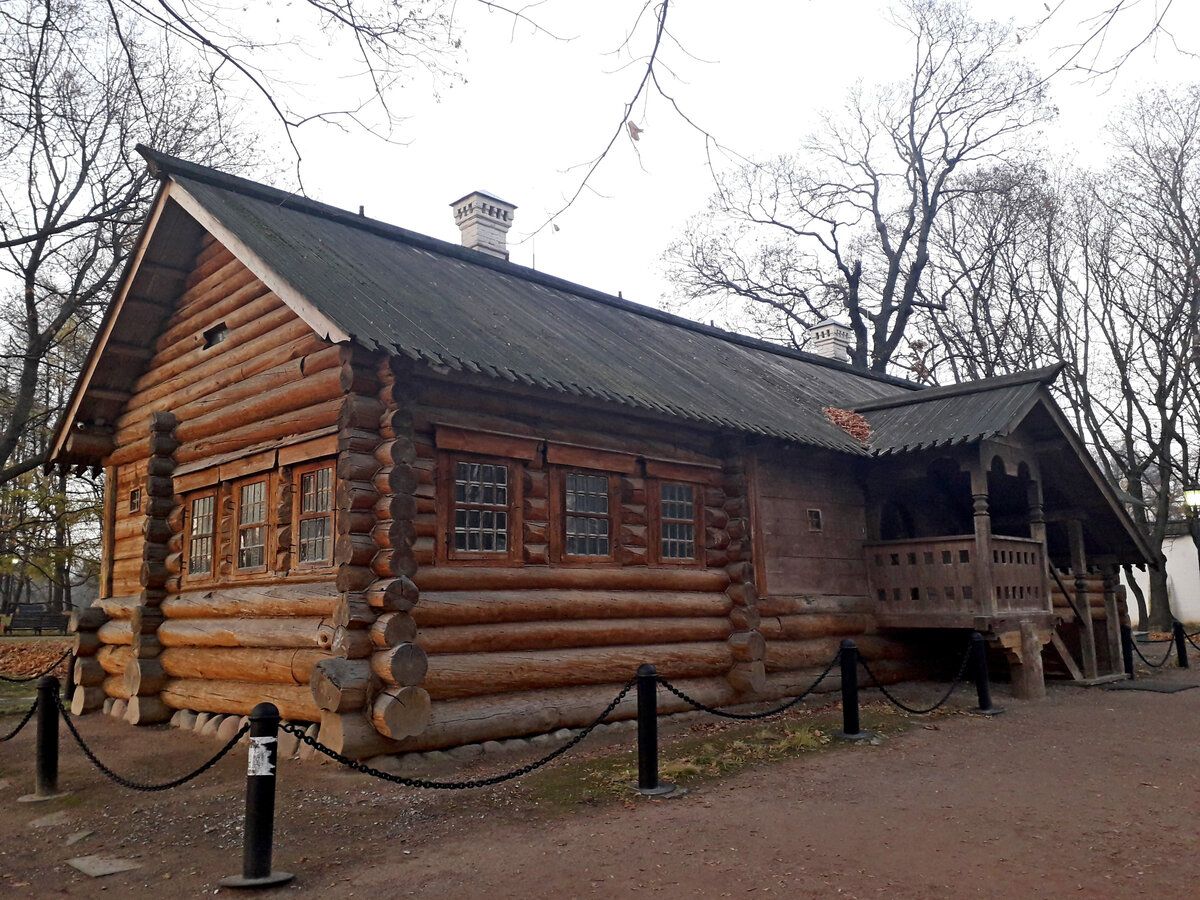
x=260 y=756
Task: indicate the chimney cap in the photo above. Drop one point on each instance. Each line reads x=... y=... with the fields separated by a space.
x=485 y=194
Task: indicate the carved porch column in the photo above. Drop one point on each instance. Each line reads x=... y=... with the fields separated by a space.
x=1087 y=635
x=984 y=581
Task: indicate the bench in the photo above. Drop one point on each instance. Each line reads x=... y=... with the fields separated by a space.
x=37 y=620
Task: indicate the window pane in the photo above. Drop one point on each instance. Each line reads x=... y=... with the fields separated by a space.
x=677 y=515
x=200 y=547
x=481 y=502
x=586 y=531
x=314 y=539
x=253 y=509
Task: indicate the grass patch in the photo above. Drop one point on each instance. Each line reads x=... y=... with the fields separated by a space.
x=704 y=752
x=16 y=698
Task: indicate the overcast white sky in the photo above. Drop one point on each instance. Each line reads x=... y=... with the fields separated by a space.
x=759 y=73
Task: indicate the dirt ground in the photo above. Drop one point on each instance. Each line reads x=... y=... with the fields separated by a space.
x=1090 y=793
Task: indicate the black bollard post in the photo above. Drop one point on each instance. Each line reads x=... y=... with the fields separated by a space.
x=1180 y=643
x=46 y=745
x=983 y=686
x=1127 y=649
x=647 y=712
x=260 y=803
x=850 y=725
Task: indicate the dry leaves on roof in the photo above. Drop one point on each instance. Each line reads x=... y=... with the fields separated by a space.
x=850 y=422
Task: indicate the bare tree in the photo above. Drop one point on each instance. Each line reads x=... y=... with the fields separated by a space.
x=1102 y=275
x=845 y=225
x=72 y=189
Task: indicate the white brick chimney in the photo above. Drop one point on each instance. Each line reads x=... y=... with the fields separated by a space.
x=831 y=339
x=484 y=221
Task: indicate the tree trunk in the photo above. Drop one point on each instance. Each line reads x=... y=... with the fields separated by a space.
x=1161 y=615
x=1143 y=614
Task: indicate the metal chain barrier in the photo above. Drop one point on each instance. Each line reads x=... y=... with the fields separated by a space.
x=702 y=707
x=1190 y=638
x=25 y=721
x=137 y=785
x=54 y=665
x=457 y=785
x=909 y=709
x=1160 y=663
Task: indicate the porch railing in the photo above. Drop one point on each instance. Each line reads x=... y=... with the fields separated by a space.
x=941 y=575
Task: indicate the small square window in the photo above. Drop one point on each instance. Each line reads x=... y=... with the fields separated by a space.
x=135 y=500
x=814 y=520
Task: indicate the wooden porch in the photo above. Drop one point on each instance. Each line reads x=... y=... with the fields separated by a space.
x=939 y=582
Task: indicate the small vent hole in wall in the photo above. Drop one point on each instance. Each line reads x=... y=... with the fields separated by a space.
x=215 y=335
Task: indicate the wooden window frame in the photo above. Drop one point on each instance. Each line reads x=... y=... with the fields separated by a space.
x=816 y=520
x=135 y=500
x=446 y=553
x=558 y=518
x=186 y=575
x=654 y=508
x=268 y=479
x=298 y=514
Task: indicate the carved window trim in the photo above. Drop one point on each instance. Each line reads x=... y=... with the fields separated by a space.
x=213 y=517
x=300 y=473
x=659 y=523
x=449 y=506
x=559 y=514
x=241 y=487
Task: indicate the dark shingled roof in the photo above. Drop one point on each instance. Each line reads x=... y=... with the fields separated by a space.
x=956 y=414
x=445 y=305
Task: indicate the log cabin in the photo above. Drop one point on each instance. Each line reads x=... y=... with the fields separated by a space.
x=426 y=497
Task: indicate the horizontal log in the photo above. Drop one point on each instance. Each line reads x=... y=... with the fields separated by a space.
x=300 y=421
x=248 y=361
x=114 y=686
x=393 y=628
x=459 y=675
x=239 y=698
x=466 y=578
x=114 y=631
x=351 y=643
x=298 y=631
x=403 y=664
x=819 y=651
x=803 y=627
x=87 y=698
x=146 y=710
x=290 y=666
x=571 y=633
x=144 y=677
x=314 y=598
x=88 y=671
x=393 y=595
x=113 y=659
x=283 y=400
x=341 y=685
x=352 y=734
x=479 y=607
x=401 y=712
x=469 y=721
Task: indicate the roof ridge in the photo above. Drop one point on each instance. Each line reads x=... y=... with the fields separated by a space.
x=164 y=166
x=1044 y=375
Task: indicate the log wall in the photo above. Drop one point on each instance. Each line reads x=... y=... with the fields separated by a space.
x=270 y=380
x=400 y=644
x=266 y=395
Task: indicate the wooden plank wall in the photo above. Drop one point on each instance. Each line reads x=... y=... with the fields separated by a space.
x=816 y=591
